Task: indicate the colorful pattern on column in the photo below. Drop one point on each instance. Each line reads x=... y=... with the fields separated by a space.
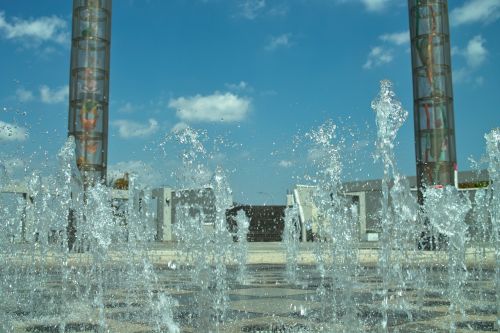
x=432 y=92
x=89 y=87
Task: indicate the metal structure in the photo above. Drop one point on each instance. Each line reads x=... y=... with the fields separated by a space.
x=432 y=92
x=89 y=87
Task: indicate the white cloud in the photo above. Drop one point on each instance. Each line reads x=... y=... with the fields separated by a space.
x=179 y=127
x=13 y=164
x=127 y=108
x=279 y=10
x=378 y=56
x=10 y=132
x=131 y=129
x=250 y=9
x=475 y=53
x=226 y=107
x=476 y=11
x=275 y=42
x=50 y=96
x=316 y=154
x=376 y=5
x=461 y=75
x=285 y=164
x=241 y=86
x=35 y=31
x=398 y=38
x=146 y=174
x=24 y=95
x=269 y=93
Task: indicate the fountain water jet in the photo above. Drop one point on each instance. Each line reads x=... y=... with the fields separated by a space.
x=493 y=151
x=210 y=260
x=336 y=246
x=291 y=234
x=446 y=210
x=241 y=247
x=123 y=282
x=52 y=286
x=398 y=213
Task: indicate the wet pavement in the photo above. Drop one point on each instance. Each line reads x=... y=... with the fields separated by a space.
x=266 y=302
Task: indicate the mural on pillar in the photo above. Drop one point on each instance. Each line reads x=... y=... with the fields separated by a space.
x=90 y=85
x=90 y=29
x=89 y=114
x=433 y=92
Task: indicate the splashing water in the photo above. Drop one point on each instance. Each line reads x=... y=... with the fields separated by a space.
x=213 y=248
x=336 y=245
x=390 y=116
x=222 y=243
x=482 y=236
x=83 y=259
x=3 y=175
x=194 y=172
x=493 y=152
x=291 y=234
x=98 y=274
x=398 y=213
x=446 y=209
x=194 y=246
x=241 y=247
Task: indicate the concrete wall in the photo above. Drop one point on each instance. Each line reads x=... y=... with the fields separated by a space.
x=24 y=222
x=266 y=222
x=199 y=202
x=368 y=195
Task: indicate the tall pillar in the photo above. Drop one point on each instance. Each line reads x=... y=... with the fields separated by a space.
x=89 y=87
x=432 y=92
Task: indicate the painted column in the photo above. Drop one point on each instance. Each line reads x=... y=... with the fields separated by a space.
x=89 y=87
x=432 y=92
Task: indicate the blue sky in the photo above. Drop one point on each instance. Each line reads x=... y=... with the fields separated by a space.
x=256 y=75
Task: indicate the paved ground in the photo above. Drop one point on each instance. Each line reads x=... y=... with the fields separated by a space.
x=274 y=253
x=264 y=302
